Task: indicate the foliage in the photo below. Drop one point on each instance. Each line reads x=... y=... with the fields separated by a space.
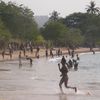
x=87 y=23
x=91 y=9
x=53 y=30
x=17 y=23
x=54 y=16
x=75 y=38
x=5 y=35
x=39 y=40
x=60 y=34
x=19 y=20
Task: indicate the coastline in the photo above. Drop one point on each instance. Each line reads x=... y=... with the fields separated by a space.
x=42 y=53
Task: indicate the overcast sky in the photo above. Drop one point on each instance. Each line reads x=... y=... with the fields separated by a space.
x=64 y=7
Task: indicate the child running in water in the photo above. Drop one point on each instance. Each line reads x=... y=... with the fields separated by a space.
x=64 y=76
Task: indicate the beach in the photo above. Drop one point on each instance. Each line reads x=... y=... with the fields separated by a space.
x=42 y=53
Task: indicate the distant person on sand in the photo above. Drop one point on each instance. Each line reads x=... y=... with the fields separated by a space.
x=64 y=77
x=24 y=51
x=51 y=53
x=10 y=53
x=72 y=53
x=46 y=53
x=37 y=52
x=3 y=54
x=69 y=52
x=20 y=57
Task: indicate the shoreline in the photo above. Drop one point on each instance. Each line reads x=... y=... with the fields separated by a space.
x=42 y=53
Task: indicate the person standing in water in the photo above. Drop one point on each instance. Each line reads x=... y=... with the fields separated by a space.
x=30 y=59
x=64 y=76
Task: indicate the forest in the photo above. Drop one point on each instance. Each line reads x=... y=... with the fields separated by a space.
x=17 y=25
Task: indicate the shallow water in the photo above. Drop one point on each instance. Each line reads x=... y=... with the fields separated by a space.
x=40 y=81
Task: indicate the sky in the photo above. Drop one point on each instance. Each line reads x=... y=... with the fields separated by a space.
x=64 y=7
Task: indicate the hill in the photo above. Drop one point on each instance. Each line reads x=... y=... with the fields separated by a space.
x=41 y=20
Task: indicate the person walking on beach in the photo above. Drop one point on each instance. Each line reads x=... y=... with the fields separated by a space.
x=10 y=53
x=46 y=53
x=64 y=76
x=51 y=53
x=3 y=54
x=20 y=57
x=37 y=52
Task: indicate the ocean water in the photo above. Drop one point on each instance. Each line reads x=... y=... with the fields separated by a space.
x=41 y=80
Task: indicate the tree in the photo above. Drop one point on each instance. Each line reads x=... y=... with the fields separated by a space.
x=5 y=35
x=87 y=23
x=54 y=16
x=39 y=40
x=19 y=20
x=91 y=9
x=53 y=30
x=74 y=20
x=60 y=35
x=74 y=38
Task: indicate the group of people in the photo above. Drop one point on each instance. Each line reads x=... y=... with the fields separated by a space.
x=66 y=66
x=50 y=52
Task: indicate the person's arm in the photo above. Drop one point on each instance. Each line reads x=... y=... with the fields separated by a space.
x=59 y=67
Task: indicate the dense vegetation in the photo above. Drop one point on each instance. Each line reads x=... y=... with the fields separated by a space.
x=17 y=24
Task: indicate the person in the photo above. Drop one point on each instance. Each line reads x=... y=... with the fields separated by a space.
x=72 y=53
x=46 y=53
x=51 y=53
x=3 y=54
x=64 y=77
x=59 y=52
x=28 y=58
x=93 y=51
x=70 y=63
x=24 y=51
x=37 y=52
x=20 y=57
x=75 y=65
x=63 y=60
x=77 y=57
x=69 y=52
x=10 y=53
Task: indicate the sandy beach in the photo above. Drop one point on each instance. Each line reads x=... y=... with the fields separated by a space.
x=42 y=53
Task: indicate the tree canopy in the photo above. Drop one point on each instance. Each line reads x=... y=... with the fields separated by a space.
x=17 y=22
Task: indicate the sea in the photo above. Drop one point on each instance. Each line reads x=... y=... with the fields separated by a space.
x=41 y=80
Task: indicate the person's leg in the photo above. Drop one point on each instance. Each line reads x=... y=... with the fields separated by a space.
x=66 y=85
x=60 y=84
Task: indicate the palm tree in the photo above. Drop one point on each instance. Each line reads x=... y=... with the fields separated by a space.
x=91 y=9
